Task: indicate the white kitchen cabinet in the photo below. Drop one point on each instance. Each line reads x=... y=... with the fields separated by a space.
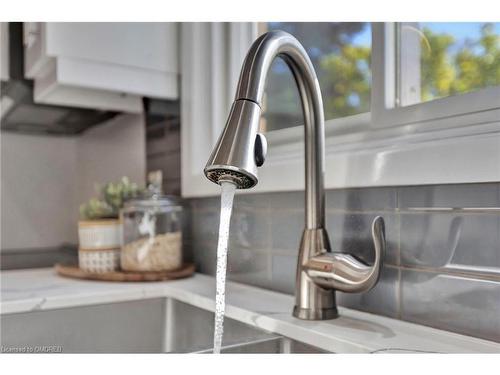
x=4 y=51
x=102 y=65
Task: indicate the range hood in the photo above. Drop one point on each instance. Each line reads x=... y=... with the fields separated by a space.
x=20 y=113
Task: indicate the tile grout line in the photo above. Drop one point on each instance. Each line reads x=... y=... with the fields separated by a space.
x=269 y=244
x=477 y=275
x=399 y=287
x=399 y=296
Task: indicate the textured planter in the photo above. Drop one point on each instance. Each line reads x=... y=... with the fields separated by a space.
x=100 y=245
x=99 y=261
x=100 y=234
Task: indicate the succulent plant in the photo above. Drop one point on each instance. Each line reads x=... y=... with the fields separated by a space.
x=111 y=198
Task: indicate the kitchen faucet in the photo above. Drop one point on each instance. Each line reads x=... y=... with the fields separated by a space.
x=241 y=149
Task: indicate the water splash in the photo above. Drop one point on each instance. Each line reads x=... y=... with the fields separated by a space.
x=226 y=206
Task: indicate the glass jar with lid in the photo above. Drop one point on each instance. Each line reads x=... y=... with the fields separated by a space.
x=152 y=230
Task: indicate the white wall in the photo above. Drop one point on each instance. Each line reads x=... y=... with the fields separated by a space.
x=38 y=191
x=45 y=179
x=108 y=152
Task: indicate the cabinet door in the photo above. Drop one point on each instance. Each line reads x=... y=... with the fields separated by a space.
x=149 y=46
x=126 y=59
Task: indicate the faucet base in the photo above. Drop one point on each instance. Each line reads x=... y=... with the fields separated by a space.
x=315 y=314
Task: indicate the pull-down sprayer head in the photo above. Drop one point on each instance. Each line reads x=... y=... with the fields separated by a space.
x=240 y=148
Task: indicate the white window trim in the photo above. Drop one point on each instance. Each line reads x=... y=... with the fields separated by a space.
x=384 y=93
x=414 y=145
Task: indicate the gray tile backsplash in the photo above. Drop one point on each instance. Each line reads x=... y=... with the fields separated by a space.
x=286 y=230
x=283 y=270
x=444 y=240
x=466 y=195
x=454 y=303
x=251 y=229
x=442 y=265
x=250 y=267
x=351 y=233
x=379 y=199
x=382 y=299
x=11 y=259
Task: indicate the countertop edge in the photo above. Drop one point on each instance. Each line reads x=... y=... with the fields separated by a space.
x=248 y=305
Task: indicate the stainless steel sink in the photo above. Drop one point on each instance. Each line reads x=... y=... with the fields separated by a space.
x=145 y=326
x=275 y=345
x=190 y=329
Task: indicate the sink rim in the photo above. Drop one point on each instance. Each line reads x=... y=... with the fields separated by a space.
x=284 y=343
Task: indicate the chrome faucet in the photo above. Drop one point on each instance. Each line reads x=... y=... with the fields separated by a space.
x=241 y=149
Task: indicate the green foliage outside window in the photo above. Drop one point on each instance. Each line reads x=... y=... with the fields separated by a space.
x=473 y=66
x=342 y=62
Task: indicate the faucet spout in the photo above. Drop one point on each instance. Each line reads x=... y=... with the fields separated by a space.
x=234 y=152
x=241 y=149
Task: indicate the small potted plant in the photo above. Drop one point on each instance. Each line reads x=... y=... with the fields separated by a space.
x=100 y=230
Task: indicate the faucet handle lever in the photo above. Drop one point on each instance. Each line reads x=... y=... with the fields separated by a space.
x=344 y=272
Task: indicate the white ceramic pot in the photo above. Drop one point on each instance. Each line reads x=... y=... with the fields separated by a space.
x=100 y=234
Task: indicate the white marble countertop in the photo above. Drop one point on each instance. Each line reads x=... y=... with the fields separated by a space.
x=352 y=332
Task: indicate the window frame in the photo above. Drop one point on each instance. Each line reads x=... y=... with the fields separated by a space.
x=448 y=140
x=384 y=109
x=466 y=109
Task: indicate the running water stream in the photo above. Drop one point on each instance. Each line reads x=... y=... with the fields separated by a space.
x=226 y=206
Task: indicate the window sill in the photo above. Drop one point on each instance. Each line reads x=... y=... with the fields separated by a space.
x=398 y=156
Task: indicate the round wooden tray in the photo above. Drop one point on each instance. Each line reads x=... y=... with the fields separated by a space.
x=75 y=272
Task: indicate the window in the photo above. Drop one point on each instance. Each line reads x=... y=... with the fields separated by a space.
x=438 y=60
x=340 y=53
x=405 y=103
